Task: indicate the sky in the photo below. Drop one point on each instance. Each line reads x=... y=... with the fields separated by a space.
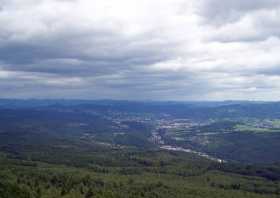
x=140 y=49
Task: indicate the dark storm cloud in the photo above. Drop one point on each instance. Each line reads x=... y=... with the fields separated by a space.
x=83 y=54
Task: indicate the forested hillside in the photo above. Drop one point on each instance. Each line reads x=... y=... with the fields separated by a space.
x=102 y=149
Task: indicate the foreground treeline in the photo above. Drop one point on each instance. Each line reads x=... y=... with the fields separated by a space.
x=135 y=174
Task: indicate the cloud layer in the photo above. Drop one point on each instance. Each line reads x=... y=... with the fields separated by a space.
x=128 y=49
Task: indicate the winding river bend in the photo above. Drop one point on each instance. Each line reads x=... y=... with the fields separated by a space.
x=181 y=149
x=157 y=138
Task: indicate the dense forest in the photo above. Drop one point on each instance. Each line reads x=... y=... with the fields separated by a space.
x=135 y=174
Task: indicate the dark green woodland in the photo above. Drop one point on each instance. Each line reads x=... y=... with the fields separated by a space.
x=107 y=149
